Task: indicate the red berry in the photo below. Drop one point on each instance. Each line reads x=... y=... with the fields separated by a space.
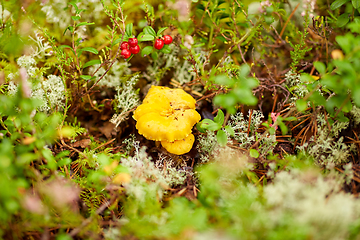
x=158 y=44
x=167 y=39
x=133 y=42
x=125 y=53
x=124 y=45
x=135 y=49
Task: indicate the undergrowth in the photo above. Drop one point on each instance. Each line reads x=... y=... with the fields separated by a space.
x=276 y=153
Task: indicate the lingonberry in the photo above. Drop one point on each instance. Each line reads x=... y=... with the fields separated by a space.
x=158 y=44
x=133 y=42
x=124 y=45
x=167 y=39
x=125 y=53
x=134 y=49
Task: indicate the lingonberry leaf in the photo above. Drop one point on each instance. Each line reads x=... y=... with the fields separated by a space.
x=146 y=50
x=146 y=37
x=128 y=29
x=338 y=3
x=161 y=30
x=166 y=49
x=84 y=24
x=230 y=130
x=91 y=63
x=254 y=153
x=219 y=117
x=85 y=77
x=210 y=125
x=75 y=18
x=87 y=49
x=149 y=30
x=221 y=138
x=301 y=105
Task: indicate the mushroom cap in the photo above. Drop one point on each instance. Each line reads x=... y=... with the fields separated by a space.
x=179 y=147
x=177 y=97
x=166 y=114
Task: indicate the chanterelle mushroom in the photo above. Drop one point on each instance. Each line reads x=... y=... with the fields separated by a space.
x=168 y=115
x=179 y=147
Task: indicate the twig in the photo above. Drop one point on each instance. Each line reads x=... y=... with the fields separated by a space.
x=288 y=20
x=104 y=144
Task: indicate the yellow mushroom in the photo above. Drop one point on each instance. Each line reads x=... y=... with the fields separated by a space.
x=168 y=115
x=179 y=147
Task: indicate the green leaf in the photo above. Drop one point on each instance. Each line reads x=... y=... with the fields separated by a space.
x=230 y=130
x=166 y=49
x=343 y=19
x=221 y=138
x=63 y=236
x=345 y=42
x=92 y=62
x=301 y=105
x=47 y=154
x=70 y=28
x=272 y=131
x=154 y=55
x=210 y=125
x=356 y=3
x=289 y=119
x=146 y=50
x=244 y=70
x=227 y=101
x=356 y=95
x=198 y=127
x=116 y=41
x=317 y=98
x=161 y=30
x=221 y=38
x=62 y=154
x=355 y=25
x=64 y=46
x=306 y=78
x=338 y=3
x=224 y=80
x=283 y=127
x=85 y=77
x=128 y=30
x=149 y=30
x=84 y=24
x=250 y=82
x=75 y=18
x=146 y=37
x=245 y=96
x=74 y=5
x=64 y=161
x=254 y=153
x=87 y=49
x=320 y=67
x=219 y=117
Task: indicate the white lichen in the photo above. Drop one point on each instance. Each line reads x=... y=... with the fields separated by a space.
x=241 y=127
x=312 y=201
x=50 y=91
x=173 y=172
x=295 y=86
x=327 y=148
x=355 y=112
x=206 y=145
x=149 y=179
x=159 y=67
x=127 y=98
x=113 y=77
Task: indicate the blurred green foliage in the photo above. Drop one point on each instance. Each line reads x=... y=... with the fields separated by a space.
x=59 y=178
